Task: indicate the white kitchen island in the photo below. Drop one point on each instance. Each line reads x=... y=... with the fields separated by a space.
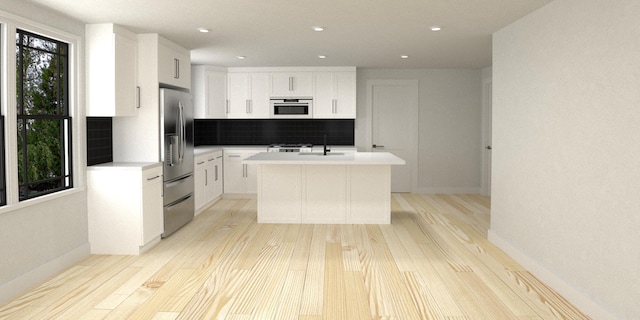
x=339 y=188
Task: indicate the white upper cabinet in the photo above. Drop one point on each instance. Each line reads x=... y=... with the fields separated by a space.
x=294 y=84
x=248 y=95
x=111 y=60
x=245 y=93
x=174 y=64
x=334 y=95
x=209 y=91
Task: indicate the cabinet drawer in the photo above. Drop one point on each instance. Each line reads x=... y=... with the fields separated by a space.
x=151 y=176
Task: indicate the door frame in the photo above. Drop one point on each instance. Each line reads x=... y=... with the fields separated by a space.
x=414 y=122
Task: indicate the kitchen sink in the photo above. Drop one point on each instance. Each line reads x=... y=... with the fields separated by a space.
x=321 y=154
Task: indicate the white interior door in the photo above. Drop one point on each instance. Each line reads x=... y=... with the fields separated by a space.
x=394 y=110
x=487 y=88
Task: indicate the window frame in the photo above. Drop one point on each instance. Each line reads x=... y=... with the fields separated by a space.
x=61 y=115
x=9 y=24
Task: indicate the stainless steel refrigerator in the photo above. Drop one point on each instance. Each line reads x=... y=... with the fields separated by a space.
x=176 y=124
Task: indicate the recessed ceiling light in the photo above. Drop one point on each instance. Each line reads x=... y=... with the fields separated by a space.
x=203 y=30
x=322 y=56
x=318 y=28
x=242 y=57
x=436 y=28
x=404 y=57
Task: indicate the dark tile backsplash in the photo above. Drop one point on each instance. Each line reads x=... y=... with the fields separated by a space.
x=268 y=131
x=99 y=140
x=227 y=132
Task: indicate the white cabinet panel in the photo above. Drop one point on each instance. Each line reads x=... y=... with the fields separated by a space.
x=325 y=194
x=239 y=178
x=334 y=95
x=208 y=178
x=280 y=205
x=124 y=208
x=209 y=91
x=174 y=64
x=296 y=84
x=111 y=57
x=248 y=95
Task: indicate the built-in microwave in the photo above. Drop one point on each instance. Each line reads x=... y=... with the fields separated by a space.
x=291 y=108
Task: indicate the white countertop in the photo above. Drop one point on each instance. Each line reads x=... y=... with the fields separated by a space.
x=205 y=149
x=125 y=165
x=347 y=158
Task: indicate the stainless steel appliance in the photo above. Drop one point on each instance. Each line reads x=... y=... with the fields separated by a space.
x=176 y=125
x=295 y=108
x=290 y=147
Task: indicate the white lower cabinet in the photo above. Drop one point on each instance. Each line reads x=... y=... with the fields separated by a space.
x=125 y=210
x=240 y=178
x=208 y=179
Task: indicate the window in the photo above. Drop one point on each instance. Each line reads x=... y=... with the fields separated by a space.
x=44 y=125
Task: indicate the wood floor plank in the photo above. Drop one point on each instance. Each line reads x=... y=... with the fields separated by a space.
x=312 y=294
x=334 y=283
x=432 y=262
x=158 y=299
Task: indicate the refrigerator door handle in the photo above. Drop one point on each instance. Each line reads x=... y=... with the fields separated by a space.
x=181 y=132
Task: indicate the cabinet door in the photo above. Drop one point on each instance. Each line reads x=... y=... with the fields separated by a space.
x=111 y=57
x=284 y=84
x=280 y=85
x=259 y=101
x=250 y=176
x=233 y=172
x=323 y=97
x=216 y=86
x=302 y=84
x=174 y=66
x=152 y=211
x=211 y=177
x=126 y=97
x=238 y=88
x=217 y=176
x=345 y=95
x=199 y=182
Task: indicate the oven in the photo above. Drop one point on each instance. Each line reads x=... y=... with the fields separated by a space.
x=293 y=108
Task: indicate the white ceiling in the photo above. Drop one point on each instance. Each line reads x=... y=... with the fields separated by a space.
x=362 y=33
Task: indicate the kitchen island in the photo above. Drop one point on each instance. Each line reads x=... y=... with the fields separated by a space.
x=337 y=188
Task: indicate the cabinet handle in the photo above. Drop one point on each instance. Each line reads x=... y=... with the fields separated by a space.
x=227 y=106
x=176 y=69
x=216 y=172
x=156 y=177
x=218 y=157
x=211 y=159
x=244 y=170
x=138 y=97
x=206 y=177
x=234 y=156
x=246 y=106
x=199 y=163
x=290 y=83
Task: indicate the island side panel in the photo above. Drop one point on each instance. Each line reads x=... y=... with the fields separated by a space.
x=369 y=194
x=279 y=193
x=325 y=194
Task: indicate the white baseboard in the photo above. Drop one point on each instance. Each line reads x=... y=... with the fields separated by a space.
x=448 y=190
x=42 y=273
x=583 y=303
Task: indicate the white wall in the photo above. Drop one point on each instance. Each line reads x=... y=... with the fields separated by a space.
x=449 y=151
x=566 y=157
x=43 y=238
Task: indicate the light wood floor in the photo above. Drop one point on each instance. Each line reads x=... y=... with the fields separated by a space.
x=433 y=262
